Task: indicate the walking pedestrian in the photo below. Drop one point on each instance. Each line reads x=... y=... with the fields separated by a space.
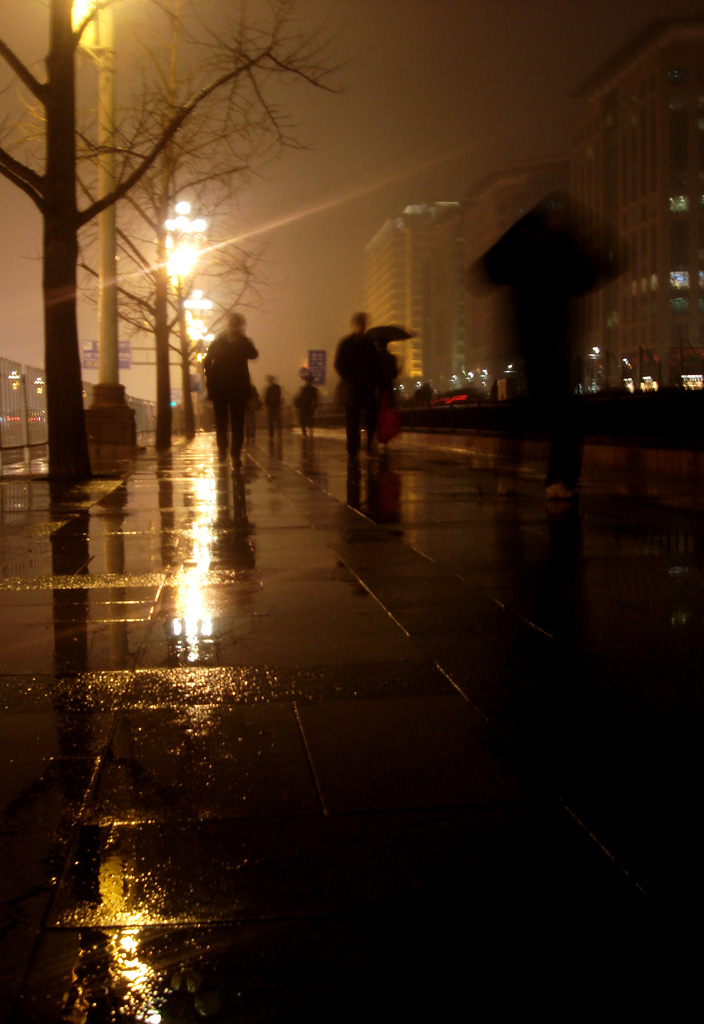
x=547 y=264
x=272 y=401
x=357 y=363
x=226 y=366
x=388 y=419
x=306 y=402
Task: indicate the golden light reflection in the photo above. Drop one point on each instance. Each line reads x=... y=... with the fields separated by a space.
x=192 y=624
x=141 y=997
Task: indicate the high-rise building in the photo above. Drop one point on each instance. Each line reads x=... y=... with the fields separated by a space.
x=637 y=166
x=413 y=277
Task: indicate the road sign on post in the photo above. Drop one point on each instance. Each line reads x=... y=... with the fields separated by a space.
x=317 y=361
x=90 y=355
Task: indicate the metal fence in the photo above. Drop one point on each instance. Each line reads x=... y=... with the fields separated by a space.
x=23 y=423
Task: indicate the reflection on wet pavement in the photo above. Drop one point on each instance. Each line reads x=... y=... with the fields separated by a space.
x=267 y=736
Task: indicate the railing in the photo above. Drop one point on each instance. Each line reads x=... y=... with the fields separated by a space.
x=670 y=418
x=23 y=423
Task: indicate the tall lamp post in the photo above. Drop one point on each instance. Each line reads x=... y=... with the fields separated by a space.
x=109 y=420
x=183 y=243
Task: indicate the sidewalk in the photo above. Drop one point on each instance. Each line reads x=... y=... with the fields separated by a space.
x=266 y=757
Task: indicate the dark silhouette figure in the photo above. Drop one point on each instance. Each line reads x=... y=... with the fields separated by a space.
x=272 y=401
x=357 y=363
x=226 y=366
x=547 y=264
x=306 y=402
x=388 y=422
x=388 y=370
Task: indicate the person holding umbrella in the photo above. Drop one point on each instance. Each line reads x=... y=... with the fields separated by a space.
x=548 y=263
x=357 y=363
x=388 y=419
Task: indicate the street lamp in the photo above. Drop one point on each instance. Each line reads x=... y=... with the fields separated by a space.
x=98 y=41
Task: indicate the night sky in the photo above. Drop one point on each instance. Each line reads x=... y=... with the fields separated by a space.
x=435 y=96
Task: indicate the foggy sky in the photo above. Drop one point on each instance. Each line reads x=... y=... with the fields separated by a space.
x=435 y=96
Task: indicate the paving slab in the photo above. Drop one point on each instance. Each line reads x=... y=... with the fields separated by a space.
x=325 y=742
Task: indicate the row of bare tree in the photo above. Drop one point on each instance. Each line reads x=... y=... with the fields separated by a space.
x=198 y=113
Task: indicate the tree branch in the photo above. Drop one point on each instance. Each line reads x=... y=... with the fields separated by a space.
x=264 y=60
x=24 y=177
x=36 y=87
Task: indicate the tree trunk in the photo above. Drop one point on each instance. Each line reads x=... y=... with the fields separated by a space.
x=189 y=423
x=68 y=444
x=161 y=339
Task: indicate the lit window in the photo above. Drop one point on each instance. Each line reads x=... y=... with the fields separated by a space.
x=679 y=279
x=653 y=282
x=679 y=204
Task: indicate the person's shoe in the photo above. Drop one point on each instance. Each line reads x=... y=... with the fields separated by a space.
x=222 y=454
x=237 y=462
x=559 y=491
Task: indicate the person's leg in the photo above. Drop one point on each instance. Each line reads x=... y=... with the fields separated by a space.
x=567 y=443
x=237 y=422
x=352 y=425
x=370 y=414
x=220 y=410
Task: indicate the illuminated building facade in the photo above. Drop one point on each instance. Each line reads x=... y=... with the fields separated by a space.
x=492 y=206
x=413 y=271
x=637 y=165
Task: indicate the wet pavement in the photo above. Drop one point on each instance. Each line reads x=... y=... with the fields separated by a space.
x=315 y=743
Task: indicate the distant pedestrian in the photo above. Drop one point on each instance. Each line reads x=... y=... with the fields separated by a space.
x=388 y=369
x=357 y=363
x=226 y=366
x=306 y=402
x=388 y=418
x=273 y=401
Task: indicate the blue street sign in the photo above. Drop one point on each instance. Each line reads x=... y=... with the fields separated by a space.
x=317 y=361
x=91 y=355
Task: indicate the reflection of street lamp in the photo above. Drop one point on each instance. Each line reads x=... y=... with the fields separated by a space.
x=98 y=41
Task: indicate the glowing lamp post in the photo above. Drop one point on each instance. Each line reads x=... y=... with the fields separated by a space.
x=98 y=41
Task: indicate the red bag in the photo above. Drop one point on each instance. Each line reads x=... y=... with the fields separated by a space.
x=389 y=420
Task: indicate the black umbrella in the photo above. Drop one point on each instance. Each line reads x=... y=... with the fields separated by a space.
x=388 y=332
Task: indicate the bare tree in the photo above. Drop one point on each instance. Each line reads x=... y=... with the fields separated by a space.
x=238 y=63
